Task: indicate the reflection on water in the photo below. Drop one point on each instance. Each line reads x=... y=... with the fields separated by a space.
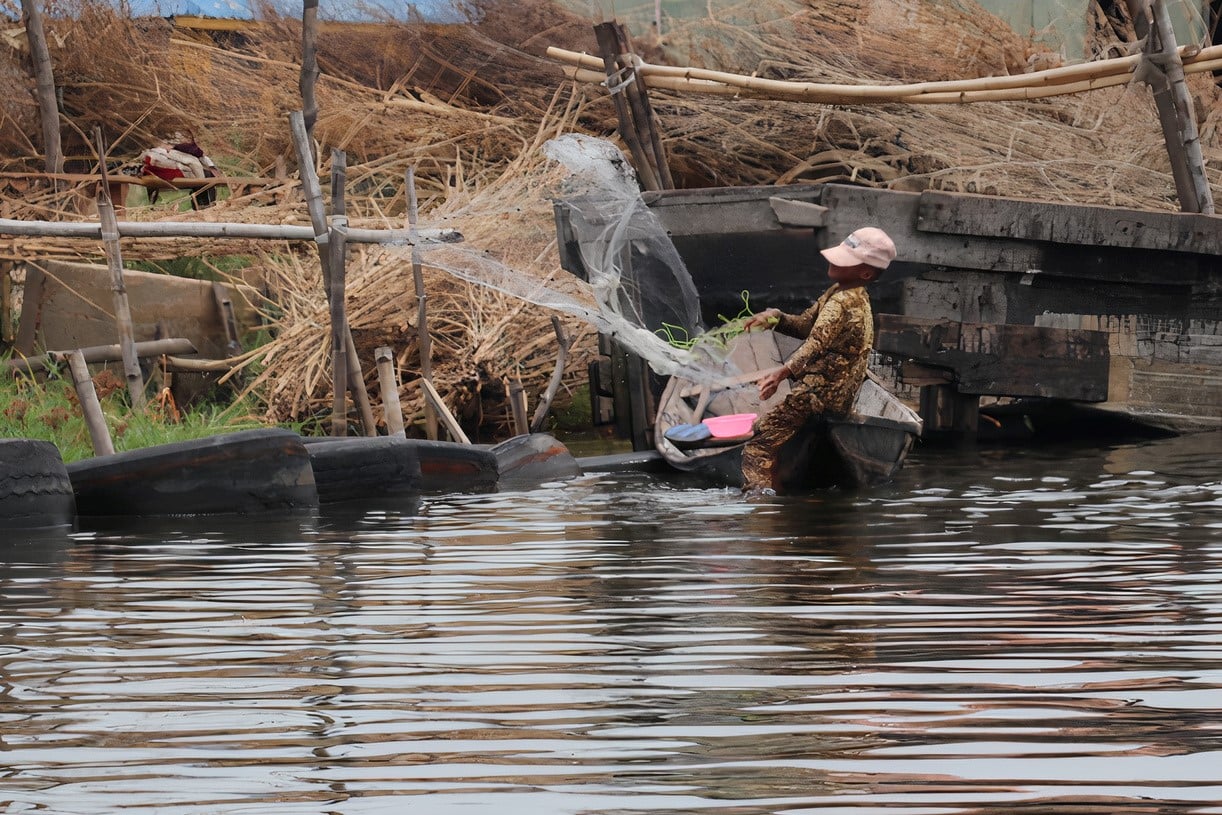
x=997 y=631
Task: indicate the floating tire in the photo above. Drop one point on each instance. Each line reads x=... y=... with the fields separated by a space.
x=251 y=471
x=35 y=490
x=533 y=459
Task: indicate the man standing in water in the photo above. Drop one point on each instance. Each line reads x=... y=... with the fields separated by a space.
x=829 y=367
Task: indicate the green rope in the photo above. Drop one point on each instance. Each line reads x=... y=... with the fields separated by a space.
x=718 y=337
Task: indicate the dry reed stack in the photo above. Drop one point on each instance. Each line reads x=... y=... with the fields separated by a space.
x=468 y=106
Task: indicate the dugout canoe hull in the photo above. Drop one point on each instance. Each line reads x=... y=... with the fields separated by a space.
x=252 y=471
x=864 y=448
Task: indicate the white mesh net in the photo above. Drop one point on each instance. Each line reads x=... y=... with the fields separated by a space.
x=643 y=296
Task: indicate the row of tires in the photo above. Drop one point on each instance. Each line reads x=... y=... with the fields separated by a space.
x=258 y=471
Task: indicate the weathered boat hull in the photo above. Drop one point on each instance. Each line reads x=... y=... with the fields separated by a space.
x=364 y=469
x=532 y=459
x=250 y=471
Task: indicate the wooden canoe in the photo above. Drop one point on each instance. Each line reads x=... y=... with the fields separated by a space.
x=866 y=447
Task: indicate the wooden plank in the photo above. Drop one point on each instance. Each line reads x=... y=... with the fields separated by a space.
x=789 y=212
x=727 y=210
x=1079 y=225
x=31 y=309
x=1004 y=360
x=850 y=208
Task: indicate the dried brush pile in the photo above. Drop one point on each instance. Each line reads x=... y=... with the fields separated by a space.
x=467 y=106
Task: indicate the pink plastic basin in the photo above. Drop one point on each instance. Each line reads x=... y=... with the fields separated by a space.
x=736 y=424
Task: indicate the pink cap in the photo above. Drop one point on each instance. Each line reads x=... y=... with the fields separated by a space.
x=868 y=245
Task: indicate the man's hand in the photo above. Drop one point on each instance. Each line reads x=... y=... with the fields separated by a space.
x=771 y=381
x=764 y=319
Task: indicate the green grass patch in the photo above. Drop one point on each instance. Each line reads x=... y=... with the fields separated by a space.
x=49 y=410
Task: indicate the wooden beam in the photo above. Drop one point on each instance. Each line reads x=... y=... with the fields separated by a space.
x=204 y=229
x=620 y=74
x=1163 y=70
x=1075 y=224
x=1002 y=359
x=897 y=211
x=102 y=353
x=44 y=80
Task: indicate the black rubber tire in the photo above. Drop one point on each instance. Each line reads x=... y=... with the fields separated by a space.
x=354 y=469
x=246 y=472
x=35 y=490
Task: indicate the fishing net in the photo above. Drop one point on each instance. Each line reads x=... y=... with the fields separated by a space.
x=642 y=295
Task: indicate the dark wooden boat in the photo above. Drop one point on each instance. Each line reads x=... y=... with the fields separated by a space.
x=866 y=447
x=245 y=472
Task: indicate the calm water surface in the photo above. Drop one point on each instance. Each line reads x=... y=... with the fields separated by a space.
x=997 y=631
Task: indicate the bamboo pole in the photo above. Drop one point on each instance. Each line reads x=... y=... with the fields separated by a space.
x=44 y=80
x=958 y=97
x=1039 y=84
x=565 y=342
x=240 y=231
x=102 y=353
x=318 y=218
x=114 y=261
x=422 y=311
x=392 y=410
x=87 y=395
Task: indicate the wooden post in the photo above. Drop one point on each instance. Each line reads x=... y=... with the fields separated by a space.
x=1152 y=23
x=87 y=395
x=114 y=261
x=945 y=410
x=391 y=408
x=318 y=219
x=7 y=333
x=339 y=326
x=425 y=340
x=44 y=78
x=517 y=406
x=642 y=111
x=309 y=70
x=562 y=355
x=618 y=78
x=352 y=366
